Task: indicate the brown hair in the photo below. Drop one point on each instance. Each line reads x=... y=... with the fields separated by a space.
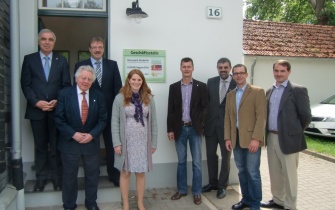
x=284 y=63
x=144 y=90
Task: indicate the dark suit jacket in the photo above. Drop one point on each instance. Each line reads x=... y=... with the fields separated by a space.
x=294 y=116
x=198 y=107
x=111 y=80
x=215 y=117
x=68 y=121
x=34 y=85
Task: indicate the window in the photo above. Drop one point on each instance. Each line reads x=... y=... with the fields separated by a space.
x=73 y=5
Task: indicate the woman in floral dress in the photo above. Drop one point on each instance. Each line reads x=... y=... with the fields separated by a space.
x=134 y=131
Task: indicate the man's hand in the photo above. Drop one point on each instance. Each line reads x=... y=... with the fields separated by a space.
x=229 y=147
x=253 y=146
x=44 y=105
x=82 y=138
x=171 y=136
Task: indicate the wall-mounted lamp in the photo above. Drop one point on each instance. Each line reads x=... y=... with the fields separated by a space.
x=136 y=12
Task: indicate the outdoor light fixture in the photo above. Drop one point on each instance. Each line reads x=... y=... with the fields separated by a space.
x=136 y=12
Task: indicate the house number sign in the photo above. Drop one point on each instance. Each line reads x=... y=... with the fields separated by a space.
x=214 y=12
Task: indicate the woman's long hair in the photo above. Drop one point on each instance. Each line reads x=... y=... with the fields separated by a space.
x=144 y=90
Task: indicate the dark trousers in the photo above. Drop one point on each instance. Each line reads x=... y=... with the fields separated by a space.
x=47 y=156
x=212 y=143
x=113 y=173
x=70 y=185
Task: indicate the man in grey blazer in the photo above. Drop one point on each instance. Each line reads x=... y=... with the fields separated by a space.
x=217 y=88
x=43 y=75
x=289 y=114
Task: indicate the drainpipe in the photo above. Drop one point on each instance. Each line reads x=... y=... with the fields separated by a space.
x=16 y=149
x=252 y=71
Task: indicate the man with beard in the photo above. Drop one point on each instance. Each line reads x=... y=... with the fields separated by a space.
x=217 y=88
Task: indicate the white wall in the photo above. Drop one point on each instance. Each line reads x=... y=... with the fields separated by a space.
x=182 y=29
x=317 y=74
x=179 y=27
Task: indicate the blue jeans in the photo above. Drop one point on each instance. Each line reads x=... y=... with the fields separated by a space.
x=195 y=140
x=249 y=175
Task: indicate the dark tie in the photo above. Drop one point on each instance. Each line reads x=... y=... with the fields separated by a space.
x=223 y=91
x=98 y=71
x=84 y=109
x=46 y=67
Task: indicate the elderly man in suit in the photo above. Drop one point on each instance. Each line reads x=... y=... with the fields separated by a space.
x=218 y=87
x=244 y=132
x=43 y=75
x=187 y=106
x=289 y=114
x=108 y=82
x=80 y=118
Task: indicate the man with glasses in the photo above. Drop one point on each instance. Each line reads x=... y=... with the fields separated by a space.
x=217 y=88
x=108 y=82
x=244 y=132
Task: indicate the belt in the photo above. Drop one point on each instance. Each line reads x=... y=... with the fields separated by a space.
x=274 y=132
x=186 y=123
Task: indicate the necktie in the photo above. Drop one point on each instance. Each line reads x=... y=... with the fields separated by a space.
x=98 y=72
x=46 y=67
x=223 y=91
x=84 y=109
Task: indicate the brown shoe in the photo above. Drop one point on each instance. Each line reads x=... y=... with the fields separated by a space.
x=177 y=196
x=197 y=199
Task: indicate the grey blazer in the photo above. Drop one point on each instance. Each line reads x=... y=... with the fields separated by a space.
x=216 y=113
x=294 y=116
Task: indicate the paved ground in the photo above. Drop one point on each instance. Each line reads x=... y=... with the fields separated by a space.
x=316 y=191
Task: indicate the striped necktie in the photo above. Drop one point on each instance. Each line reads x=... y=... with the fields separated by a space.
x=84 y=108
x=223 y=91
x=98 y=72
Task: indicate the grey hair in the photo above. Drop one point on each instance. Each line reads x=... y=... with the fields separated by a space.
x=85 y=68
x=45 y=30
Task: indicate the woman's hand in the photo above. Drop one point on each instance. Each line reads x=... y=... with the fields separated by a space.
x=118 y=150
x=153 y=150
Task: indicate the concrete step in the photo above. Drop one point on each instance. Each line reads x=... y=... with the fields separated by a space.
x=107 y=192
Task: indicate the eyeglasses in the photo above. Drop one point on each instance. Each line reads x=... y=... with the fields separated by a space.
x=223 y=67
x=239 y=73
x=99 y=47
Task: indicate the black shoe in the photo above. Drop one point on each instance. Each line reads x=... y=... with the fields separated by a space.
x=209 y=187
x=93 y=208
x=240 y=205
x=115 y=181
x=39 y=186
x=57 y=184
x=271 y=204
x=221 y=193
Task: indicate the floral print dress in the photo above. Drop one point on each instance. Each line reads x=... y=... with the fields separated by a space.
x=136 y=140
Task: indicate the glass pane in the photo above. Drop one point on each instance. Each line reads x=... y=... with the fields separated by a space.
x=73 y=4
x=52 y=3
x=93 y=4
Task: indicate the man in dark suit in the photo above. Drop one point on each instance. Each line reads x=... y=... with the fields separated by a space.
x=80 y=118
x=43 y=75
x=108 y=83
x=218 y=87
x=289 y=114
x=185 y=121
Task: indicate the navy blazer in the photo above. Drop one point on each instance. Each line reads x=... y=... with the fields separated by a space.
x=294 y=116
x=68 y=121
x=198 y=107
x=215 y=117
x=34 y=85
x=111 y=80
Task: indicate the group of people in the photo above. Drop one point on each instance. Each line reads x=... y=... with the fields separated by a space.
x=242 y=118
x=67 y=121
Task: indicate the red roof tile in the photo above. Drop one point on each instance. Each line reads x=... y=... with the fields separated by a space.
x=288 y=39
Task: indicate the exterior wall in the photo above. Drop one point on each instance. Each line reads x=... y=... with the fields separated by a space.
x=179 y=27
x=317 y=74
